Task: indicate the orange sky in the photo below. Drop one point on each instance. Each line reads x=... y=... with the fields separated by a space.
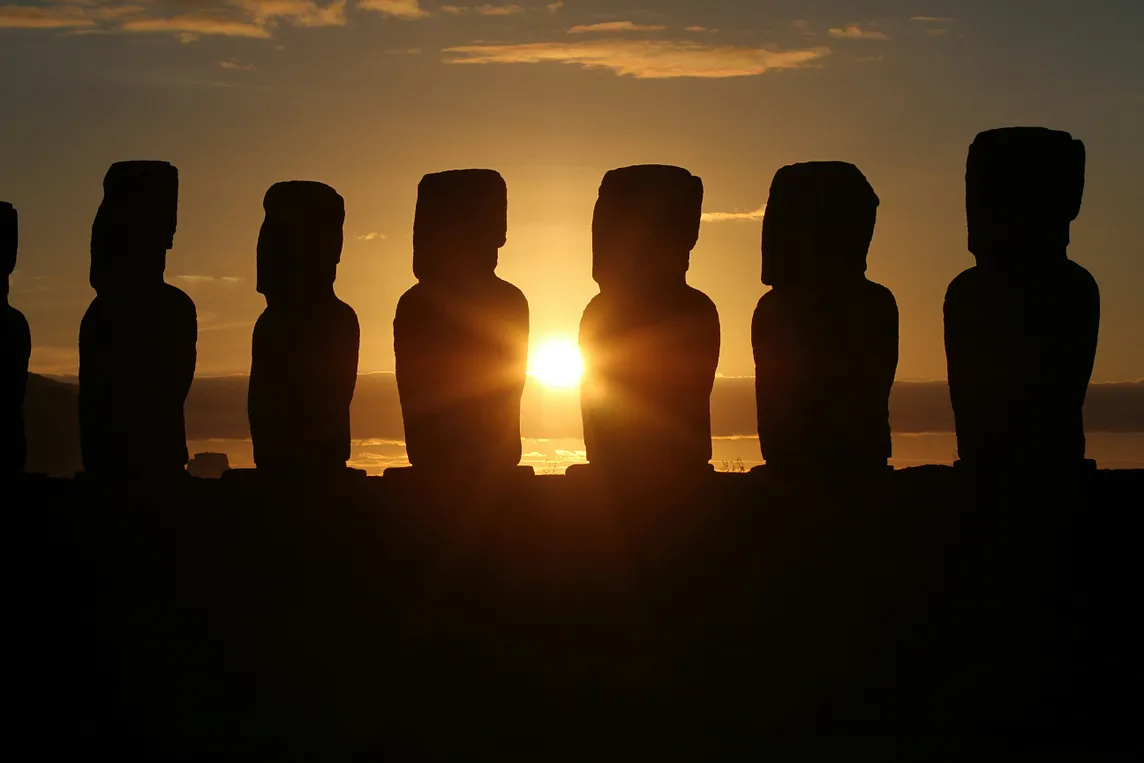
x=369 y=96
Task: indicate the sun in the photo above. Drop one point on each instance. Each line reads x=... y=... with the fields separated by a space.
x=557 y=363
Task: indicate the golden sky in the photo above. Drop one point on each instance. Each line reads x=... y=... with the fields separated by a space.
x=370 y=95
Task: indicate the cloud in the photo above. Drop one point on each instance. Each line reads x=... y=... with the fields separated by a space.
x=498 y=10
x=200 y=280
x=225 y=18
x=402 y=9
x=554 y=7
x=698 y=29
x=190 y=25
x=302 y=13
x=933 y=19
x=233 y=64
x=854 y=32
x=725 y=217
x=38 y=17
x=371 y=236
x=616 y=26
x=644 y=59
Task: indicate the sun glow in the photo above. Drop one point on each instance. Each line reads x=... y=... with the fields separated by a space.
x=556 y=363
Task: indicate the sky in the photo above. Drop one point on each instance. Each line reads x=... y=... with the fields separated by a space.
x=369 y=95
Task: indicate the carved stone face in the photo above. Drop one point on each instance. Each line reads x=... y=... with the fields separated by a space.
x=645 y=224
x=1023 y=189
x=819 y=223
x=460 y=223
x=135 y=224
x=300 y=243
x=9 y=237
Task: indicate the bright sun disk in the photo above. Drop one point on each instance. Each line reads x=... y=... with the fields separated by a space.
x=557 y=363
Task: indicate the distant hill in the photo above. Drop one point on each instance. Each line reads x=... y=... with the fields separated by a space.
x=51 y=423
x=216 y=408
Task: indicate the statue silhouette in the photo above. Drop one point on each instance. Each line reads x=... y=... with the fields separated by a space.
x=15 y=350
x=650 y=342
x=137 y=339
x=460 y=335
x=1021 y=327
x=305 y=350
x=825 y=337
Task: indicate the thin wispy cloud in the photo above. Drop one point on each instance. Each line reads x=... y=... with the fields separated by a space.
x=371 y=236
x=186 y=21
x=729 y=217
x=201 y=280
x=232 y=64
x=644 y=59
x=38 y=17
x=190 y=26
x=498 y=10
x=616 y=26
x=402 y=9
x=933 y=19
x=554 y=7
x=854 y=32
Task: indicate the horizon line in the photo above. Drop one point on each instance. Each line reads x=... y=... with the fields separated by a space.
x=241 y=375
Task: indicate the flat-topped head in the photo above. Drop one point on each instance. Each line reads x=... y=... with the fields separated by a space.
x=460 y=223
x=1023 y=189
x=135 y=224
x=818 y=224
x=645 y=224
x=9 y=237
x=300 y=243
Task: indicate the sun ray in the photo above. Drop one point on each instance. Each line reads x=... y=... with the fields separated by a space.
x=556 y=363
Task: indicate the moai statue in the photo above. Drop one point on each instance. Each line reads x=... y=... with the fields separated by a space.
x=137 y=341
x=305 y=351
x=460 y=335
x=15 y=350
x=650 y=342
x=825 y=337
x=1021 y=327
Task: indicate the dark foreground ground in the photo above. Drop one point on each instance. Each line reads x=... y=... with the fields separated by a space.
x=922 y=616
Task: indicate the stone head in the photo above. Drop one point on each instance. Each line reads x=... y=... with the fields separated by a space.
x=460 y=224
x=9 y=239
x=1023 y=189
x=9 y=236
x=818 y=224
x=135 y=224
x=645 y=224
x=300 y=243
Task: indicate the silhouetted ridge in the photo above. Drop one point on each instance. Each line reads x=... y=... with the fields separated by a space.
x=1021 y=328
x=304 y=352
x=650 y=342
x=15 y=351
x=461 y=334
x=137 y=339
x=825 y=338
